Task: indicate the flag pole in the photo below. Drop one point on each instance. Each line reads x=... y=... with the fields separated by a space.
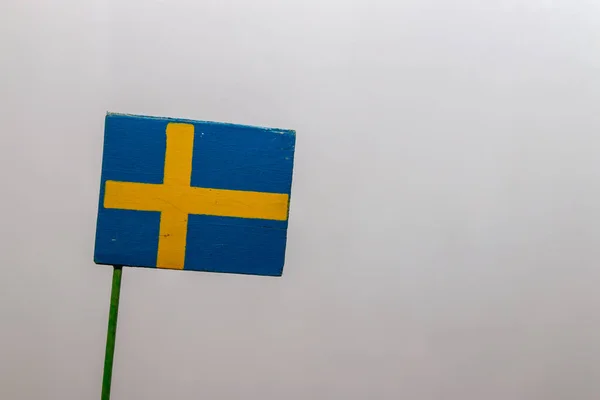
x=112 y=331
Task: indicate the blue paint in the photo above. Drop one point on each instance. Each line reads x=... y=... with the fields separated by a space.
x=221 y=244
x=125 y=237
x=225 y=156
x=242 y=158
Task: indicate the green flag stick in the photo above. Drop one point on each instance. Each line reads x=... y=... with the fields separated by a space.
x=112 y=331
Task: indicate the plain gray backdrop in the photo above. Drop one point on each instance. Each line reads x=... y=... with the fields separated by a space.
x=444 y=235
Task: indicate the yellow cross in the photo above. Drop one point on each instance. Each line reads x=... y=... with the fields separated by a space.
x=175 y=199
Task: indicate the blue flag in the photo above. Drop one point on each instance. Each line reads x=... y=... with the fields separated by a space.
x=194 y=195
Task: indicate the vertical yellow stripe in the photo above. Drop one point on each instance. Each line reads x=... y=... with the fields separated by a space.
x=178 y=172
x=172 y=239
x=178 y=157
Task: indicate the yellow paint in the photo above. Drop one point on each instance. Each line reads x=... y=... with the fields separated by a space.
x=175 y=199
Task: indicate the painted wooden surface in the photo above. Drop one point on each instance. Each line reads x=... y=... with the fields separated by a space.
x=194 y=195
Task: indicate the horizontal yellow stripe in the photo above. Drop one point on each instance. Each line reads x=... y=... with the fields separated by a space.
x=195 y=200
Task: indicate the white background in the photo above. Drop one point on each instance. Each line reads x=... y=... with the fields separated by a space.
x=444 y=235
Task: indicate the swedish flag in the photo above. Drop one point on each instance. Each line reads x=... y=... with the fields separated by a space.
x=194 y=195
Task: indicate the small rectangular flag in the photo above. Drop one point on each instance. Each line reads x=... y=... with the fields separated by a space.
x=194 y=195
